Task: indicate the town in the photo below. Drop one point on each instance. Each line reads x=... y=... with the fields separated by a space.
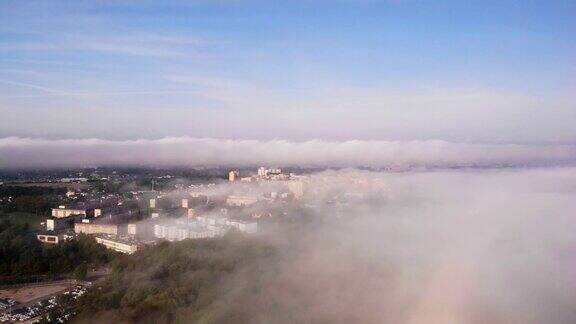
x=197 y=211
x=129 y=211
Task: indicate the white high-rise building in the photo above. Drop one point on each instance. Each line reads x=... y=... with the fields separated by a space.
x=232 y=175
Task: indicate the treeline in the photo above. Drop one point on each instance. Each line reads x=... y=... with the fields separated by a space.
x=23 y=258
x=16 y=191
x=177 y=282
x=35 y=199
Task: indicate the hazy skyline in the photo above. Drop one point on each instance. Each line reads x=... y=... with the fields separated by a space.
x=484 y=72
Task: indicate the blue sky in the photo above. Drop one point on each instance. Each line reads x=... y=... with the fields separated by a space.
x=462 y=71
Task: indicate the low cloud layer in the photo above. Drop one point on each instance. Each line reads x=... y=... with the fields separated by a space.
x=487 y=246
x=187 y=151
x=445 y=246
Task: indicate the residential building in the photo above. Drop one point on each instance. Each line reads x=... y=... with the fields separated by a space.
x=233 y=175
x=119 y=244
x=51 y=237
x=96 y=228
x=63 y=212
x=241 y=200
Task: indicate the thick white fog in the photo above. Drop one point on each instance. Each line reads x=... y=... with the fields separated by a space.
x=186 y=151
x=467 y=246
x=440 y=247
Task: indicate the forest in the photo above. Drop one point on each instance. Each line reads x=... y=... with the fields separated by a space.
x=32 y=199
x=24 y=259
x=179 y=282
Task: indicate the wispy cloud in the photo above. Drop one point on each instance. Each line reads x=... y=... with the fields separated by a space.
x=136 y=45
x=86 y=95
x=47 y=90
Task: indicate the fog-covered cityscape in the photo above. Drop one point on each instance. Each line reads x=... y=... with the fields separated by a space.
x=376 y=241
x=280 y=162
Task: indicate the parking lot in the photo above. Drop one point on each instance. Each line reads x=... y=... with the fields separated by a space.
x=38 y=301
x=27 y=294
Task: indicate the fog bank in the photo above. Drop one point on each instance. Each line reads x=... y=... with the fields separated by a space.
x=18 y=152
x=442 y=247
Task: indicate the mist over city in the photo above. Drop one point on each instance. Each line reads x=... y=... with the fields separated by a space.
x=282 y=162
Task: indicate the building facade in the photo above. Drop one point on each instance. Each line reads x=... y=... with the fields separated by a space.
x=94 y=228
x=118 y=245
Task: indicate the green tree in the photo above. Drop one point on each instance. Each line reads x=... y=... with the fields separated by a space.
x=80 y=271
